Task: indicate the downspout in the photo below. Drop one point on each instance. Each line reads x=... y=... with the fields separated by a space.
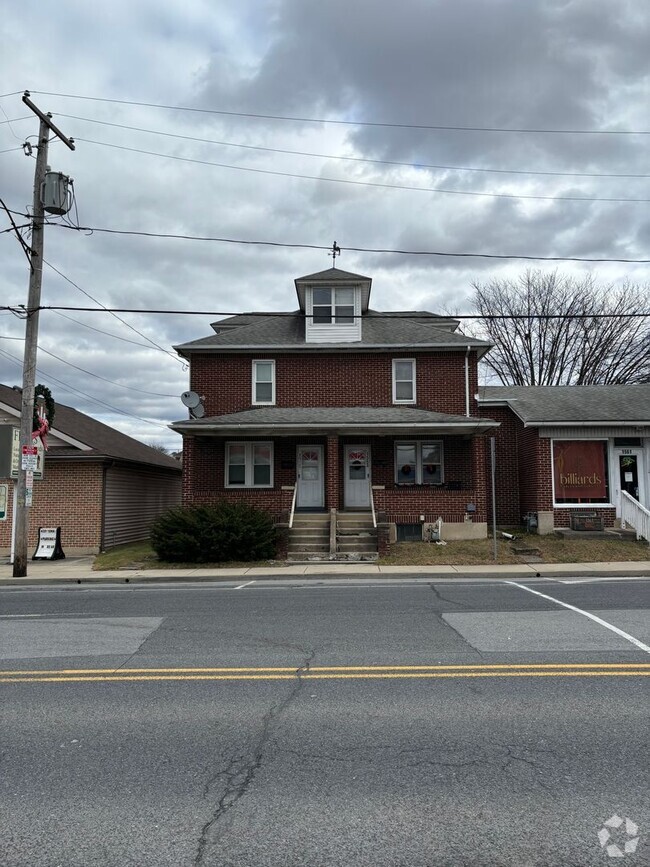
x=467 y=381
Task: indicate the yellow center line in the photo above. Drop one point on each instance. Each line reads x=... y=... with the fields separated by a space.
x=291 y=670
x=630 y=671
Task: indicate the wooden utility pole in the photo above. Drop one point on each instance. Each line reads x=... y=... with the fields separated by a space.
x=21 y=516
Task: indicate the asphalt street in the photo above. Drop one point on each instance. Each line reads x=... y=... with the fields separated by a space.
x=326 y=722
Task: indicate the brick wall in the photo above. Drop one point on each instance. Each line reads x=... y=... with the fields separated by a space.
x=328 y=379
x=506 y=466
x=203 y=476
x=70 y=497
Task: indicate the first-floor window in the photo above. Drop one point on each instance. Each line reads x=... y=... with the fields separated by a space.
x=580 y=472
x=249 y=465
x=418 y=463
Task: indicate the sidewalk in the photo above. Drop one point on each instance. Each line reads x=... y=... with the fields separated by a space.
x=78 y=570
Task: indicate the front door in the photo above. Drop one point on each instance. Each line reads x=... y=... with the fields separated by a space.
x=357 y=477
x=309 y=477
x=628 y=474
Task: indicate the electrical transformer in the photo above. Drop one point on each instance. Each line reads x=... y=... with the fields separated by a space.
x=55 y=194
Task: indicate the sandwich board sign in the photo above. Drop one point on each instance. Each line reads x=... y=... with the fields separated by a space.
x=49 y=544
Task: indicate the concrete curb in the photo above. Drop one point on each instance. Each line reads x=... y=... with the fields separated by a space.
x=73 y=573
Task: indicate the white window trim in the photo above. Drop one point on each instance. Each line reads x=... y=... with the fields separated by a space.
x=584 y=506
x=333 y=290
x=248 y=472
x=418 y=461
x=257 y=361
x=414 y=398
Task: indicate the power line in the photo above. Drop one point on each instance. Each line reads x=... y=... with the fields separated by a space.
x=376 y=184
x=16 y=119
x=88 y=295
x=412 y=165
x=13 y=93
x=8 y=150
x=439 y=127
x=107 y=333
x=90 y=373
x=505 y=256
x=373 y=315
x=83 y=393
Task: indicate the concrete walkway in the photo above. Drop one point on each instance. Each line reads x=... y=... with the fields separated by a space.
x=78 y=570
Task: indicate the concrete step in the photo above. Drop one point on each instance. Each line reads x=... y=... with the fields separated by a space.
x=322 y=549
x=344 y=546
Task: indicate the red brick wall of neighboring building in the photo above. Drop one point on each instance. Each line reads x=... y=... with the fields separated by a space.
x=327 y=379
x=70 y=497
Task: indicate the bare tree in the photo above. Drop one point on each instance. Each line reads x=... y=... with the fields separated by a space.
x=568 y=331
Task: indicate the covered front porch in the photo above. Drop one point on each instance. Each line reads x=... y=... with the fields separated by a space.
x=407 y=467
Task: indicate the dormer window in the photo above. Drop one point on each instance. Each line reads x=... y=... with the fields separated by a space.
x=337 y=303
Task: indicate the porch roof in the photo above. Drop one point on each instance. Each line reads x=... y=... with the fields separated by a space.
x=353 y=419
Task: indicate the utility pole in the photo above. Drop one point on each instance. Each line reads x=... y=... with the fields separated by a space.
x=21 y=515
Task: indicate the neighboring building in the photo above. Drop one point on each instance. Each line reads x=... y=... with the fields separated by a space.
x=101 y=487
x=348 y=407
x=565 y=453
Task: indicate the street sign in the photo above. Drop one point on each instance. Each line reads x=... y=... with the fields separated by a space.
x=16 y=455
x=29 y=458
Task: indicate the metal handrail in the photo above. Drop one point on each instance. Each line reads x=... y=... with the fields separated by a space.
x=293 y=505
x=372 y=508
x=632 y=512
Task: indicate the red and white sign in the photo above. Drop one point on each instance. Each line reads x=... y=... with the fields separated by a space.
x=29 y=458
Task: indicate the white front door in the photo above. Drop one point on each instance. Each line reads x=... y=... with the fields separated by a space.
x=309 y=477
x=629 y=475
x=357 y=477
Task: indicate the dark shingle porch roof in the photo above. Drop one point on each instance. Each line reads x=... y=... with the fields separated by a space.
x=353 y=419
x=573 y=404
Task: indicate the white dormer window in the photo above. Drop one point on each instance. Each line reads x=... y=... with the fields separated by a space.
x=264 y=382
x=403 y=380
x=333 y=305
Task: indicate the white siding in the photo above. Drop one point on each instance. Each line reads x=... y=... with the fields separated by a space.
x=332 y=333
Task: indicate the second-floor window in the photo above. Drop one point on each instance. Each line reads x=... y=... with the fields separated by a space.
x=403 y=380
x=333 y=305
x=264 y=382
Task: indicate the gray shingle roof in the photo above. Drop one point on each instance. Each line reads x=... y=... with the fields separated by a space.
x=331 y=275
x=333 y=417
x=573 y=403
x=103 y=440
x=379 y=330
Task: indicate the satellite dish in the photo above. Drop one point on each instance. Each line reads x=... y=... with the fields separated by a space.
x=197 y=411
x=190 y=399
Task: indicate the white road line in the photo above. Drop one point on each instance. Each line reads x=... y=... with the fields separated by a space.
x=602 y=580
x=247 y=584
x=600 y=621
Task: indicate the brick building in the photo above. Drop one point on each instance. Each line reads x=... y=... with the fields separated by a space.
x=337 y=406
x=101 y=487
x=569 y=453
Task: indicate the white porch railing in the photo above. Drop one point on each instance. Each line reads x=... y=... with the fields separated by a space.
x=372 y=507
x=293 y=505
x=633 y=513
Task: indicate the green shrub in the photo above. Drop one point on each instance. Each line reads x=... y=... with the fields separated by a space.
x=213 y=534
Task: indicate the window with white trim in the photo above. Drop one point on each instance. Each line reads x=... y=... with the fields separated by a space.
x=419 y=463
x=264 y=382
x=403 y=380
x=249 y=465
x=333 y=305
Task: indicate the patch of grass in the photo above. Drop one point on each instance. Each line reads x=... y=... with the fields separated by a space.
x=140 y=555
x=479 y=552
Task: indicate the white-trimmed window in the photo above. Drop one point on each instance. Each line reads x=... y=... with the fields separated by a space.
x=419 y=463
x=403 y=380
x=249 y=465
x=264 y=382
x=333 y=305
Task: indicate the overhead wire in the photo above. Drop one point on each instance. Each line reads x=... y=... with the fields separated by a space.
x=339 y=122
x=103 y=306
x=284 y=244
x=67 y=385
x=374 y=184
x=402 y=164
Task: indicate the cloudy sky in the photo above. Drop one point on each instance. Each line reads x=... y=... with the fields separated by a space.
x=306 y=122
